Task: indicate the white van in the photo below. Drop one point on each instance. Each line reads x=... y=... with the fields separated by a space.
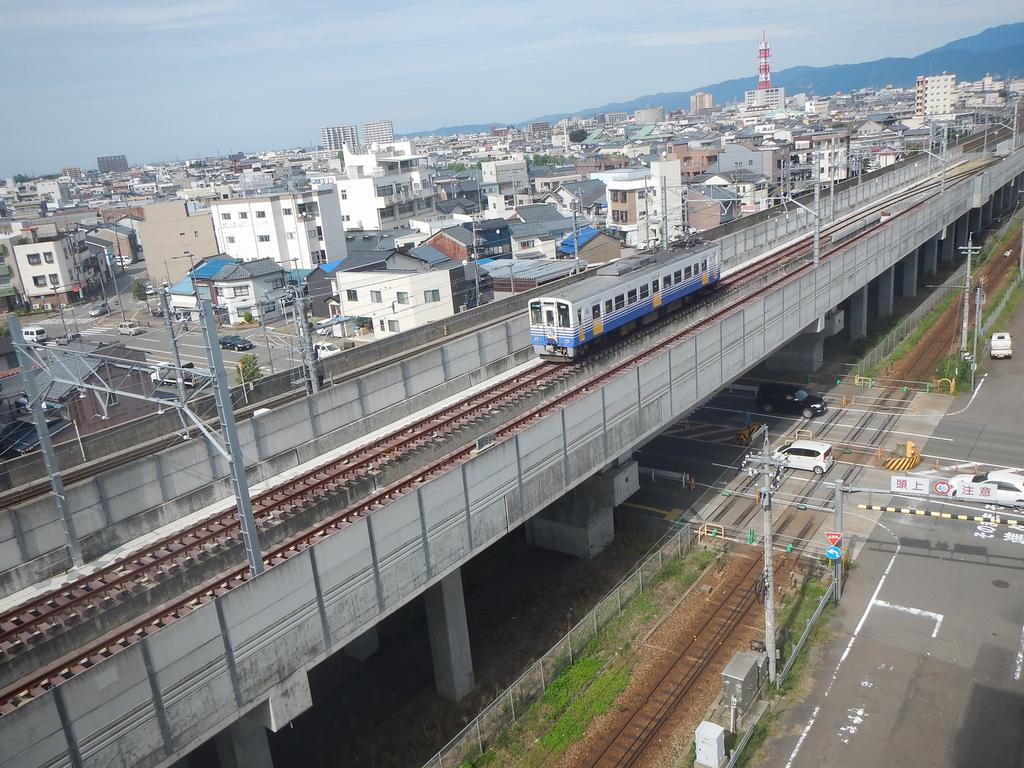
x=1000 y=346
x=129 y=328
x=34 y=333
x=809 y=455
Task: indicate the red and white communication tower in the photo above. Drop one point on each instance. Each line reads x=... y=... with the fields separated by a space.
x=764 y=67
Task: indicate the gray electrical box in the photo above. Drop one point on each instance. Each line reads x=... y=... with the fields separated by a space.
x=742 y=677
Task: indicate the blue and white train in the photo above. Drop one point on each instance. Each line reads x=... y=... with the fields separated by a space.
x=622 y=292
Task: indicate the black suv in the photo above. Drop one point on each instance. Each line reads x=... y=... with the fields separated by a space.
x=787 y=398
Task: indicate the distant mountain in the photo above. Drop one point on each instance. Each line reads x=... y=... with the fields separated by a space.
x=997 y=50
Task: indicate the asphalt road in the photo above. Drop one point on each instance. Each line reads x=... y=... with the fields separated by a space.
x=926 y=663
x=276 y=349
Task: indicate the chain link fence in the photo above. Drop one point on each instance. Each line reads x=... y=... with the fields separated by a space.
x=510 y=705
x=997 y=310
x=877 y=354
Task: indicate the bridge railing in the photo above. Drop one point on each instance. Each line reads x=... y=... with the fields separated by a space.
x=512 y=703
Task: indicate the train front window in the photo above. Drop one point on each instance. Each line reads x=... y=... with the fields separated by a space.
x=563 y=315
x=535 y=314
x=549 y=317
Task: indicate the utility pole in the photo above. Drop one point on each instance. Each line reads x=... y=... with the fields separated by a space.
x=979 y=299
x=35 y=402
x=969 y=250
x=179 y=377
x=305 y=342
x=817 y=208
x=226 y=415
x=664 y=214
x=770 y=469
x=837 y=526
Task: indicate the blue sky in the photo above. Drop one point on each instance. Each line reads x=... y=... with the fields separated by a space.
x=159 y=80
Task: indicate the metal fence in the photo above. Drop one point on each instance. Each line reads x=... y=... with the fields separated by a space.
x=994 y=313
x=510 y=705
x=882 y=349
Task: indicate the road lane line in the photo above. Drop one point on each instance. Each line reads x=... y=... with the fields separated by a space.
x=1020 y=656
x=936 y=617
x=800 y=741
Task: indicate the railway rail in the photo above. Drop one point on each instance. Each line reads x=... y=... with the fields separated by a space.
x=78 y=599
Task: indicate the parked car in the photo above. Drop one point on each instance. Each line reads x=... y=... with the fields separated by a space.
x=1001 y=345
x=326 y=327
x=190 y=374
x=325 y=349
x=237 y=343
x=810 y=455
x=34 y=333
x=98 y=309
x=130 y=328
x=150 y=290
x=787 y=398
x=1007 y=487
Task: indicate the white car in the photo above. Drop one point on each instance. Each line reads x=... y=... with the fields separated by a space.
x=326 y=327
x=324 y=349
x=809 y=455
x=1007 y=487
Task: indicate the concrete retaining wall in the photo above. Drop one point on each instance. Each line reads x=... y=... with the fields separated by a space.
x=146 y=706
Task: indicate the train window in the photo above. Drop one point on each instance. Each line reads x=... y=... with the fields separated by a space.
x=631 y=296
x=563 y=315
x=620 y=301
x=579 y=318
x=595 y=311
x=608 y=306
x=704 y=266
x=654 y=285
x=535 y=315
x=679 y=276
x=643 y=291
x=689 y=272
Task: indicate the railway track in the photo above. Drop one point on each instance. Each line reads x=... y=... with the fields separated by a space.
x=76 y=601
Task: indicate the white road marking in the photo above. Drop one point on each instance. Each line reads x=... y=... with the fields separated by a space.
x=867 y=610
x=971 y=401
x=936 y=617
x=1020 y=656
x=800 y=741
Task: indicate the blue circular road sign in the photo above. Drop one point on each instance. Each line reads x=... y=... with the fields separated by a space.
x=833 y=553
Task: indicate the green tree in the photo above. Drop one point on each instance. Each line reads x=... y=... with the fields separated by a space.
x=576 y=135
x=21 y=178
x=139 y=290
x=456 y=167
x=248 y=369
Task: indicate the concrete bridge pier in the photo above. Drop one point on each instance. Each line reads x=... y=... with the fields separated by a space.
x=974 y=222
x=986 y=214
x=244 y=744
x=449 y=637
x=908 y=267
x=885 y=292
x=947 y=245
x=858 y=324
x=581 y=523
x=929 y=253
x=961 y=228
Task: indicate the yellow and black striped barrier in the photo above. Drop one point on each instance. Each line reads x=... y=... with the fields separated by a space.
x=988 y=519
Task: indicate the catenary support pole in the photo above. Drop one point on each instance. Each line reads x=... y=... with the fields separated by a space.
x=179 y=377
x=226 y=415
x=837 y=526
x=35 y=401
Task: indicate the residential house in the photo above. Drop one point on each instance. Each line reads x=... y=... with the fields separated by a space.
x=751 y=189
x=123 y=240
x=586 y=198
x=493 y=240
x=694 y=162
x=828 y=150
x=591 y=245
x=237 y=289
x=55 y=269
x=708 y=206
x=410 y=289
x=539 y=230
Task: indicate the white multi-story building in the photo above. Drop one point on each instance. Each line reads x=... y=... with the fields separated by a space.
x=297 y=230
x=935 y=96
x=378 y=132
x=637 y=202
x=502 y=179
x=765 y=99
x=54 y=269
x=337 y=136
x=383 y=189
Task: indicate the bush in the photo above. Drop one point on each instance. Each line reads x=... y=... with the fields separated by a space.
x=247 y=316
x=248 y=369
x=139 y=290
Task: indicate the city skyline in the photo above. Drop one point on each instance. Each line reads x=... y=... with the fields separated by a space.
x=202 y=78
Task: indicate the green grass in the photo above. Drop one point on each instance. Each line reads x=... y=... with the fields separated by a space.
x=570 y=681
x=915 y=336
x=595 y=700
x=490 y=757
x=761 y=731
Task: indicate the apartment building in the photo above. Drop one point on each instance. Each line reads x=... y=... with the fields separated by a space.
x=831 y=149
x=756 y=159
x=383 y=189
x=502 y=180
x=765 y=99
x=336 y=136
x=378 y=132
x=298 y=230
x=637 y=209
x=55 y=269
x=694 y=162
x=10 y=280
x=935 y=97
x=700 y=102
x=112 y=164
x=647 y=115
x=173 y=233
x=628 y=205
